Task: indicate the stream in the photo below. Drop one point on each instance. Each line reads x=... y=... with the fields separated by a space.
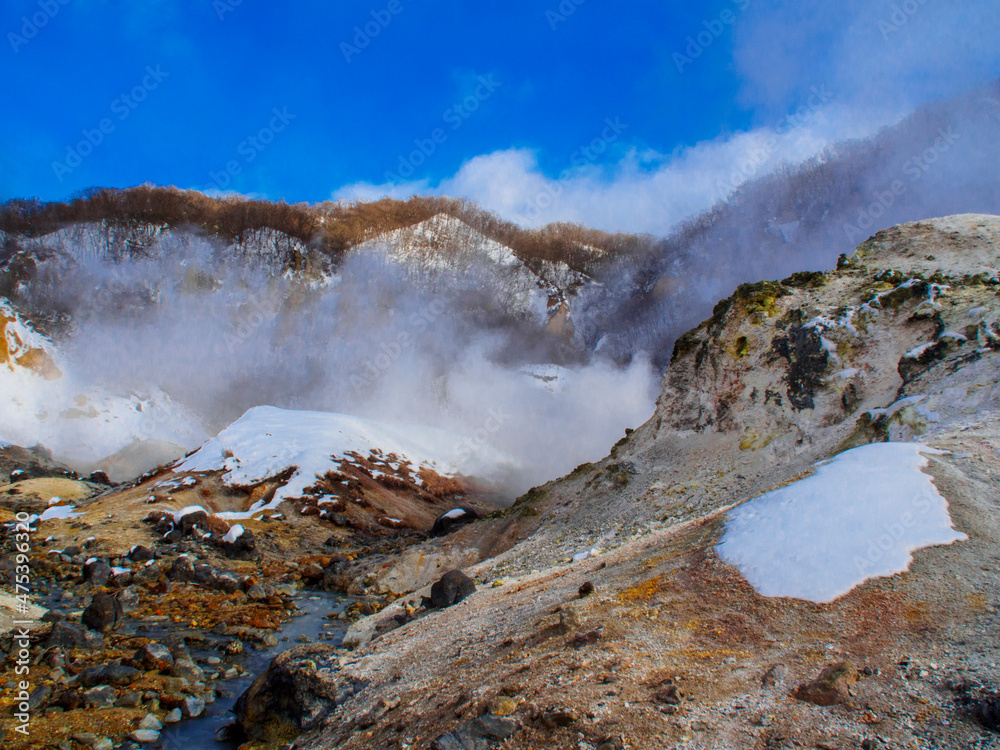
x=311 y=625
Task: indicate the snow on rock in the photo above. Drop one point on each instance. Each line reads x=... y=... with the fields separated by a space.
x=267 y=441
x=860 y=516
x=234 y=533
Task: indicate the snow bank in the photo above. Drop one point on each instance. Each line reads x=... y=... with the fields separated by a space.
x=860 y=516
x=266 y=441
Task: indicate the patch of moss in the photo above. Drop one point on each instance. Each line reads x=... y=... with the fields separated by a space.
x=760 y=296
x=686 y=344
x=619 y=474
x=806 y=280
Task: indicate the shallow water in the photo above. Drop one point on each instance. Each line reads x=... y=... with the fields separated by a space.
x=311 y=626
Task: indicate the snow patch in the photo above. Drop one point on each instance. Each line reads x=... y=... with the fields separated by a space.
x=860 y=516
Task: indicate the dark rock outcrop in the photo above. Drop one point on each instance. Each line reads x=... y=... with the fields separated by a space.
x=453 y=587
x=296 y=693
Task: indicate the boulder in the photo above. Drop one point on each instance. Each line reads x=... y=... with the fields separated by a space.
x=70 y=636
x=291 y=697
x=104 y=613
x=453 y=587
x=453 y=519
x=182 y=569
x=139 y=554
x=97 y=573
x=831 y=687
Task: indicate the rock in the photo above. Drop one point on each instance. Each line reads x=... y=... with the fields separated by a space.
x=97 y=573
x=291 y=697
x=99 y=477
x=92 y=675
x=478 y=734
x=139 y=554
x=586 y=590
x=774 y=676
x=39 y=696
x=148 y=573
x=173 y=716
x=129 y=598
x=453 y=519
x=453 y=587
x=100 y=697
x=102 y=743
x=188 y=670
x=228 y=582
x=153 y=656
x=150 y=722
x=104 y=613
x=193 y=708
x=611 y=743
x=556 y=718
x=188 y=521
x=85 y=738
x=239 y=548
x=831 y=687
x=129 y=700
x=120 y=675
x=70 y=636
x=256 y=592
x=144 y=736
x=182 y=569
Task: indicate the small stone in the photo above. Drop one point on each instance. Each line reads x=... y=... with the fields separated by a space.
x=153 y=656
x=188 y=670
x=100 y=697
x=103 y=743
x=193 y=707
x=39 y=696
x=559 y=718
x=129 y=700
x=256 y=592
x=150 y=722
x=699 y=726
x=85 y=738
x=172 y=717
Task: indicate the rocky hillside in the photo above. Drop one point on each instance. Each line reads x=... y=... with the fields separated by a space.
x=614 y=622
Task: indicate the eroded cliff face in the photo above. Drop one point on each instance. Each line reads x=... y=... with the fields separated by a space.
x=899 y=342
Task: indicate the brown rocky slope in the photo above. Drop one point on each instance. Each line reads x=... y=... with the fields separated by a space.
x=673 y=646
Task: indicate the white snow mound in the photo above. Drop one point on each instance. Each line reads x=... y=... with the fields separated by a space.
x=266 y=441
x=860 y=516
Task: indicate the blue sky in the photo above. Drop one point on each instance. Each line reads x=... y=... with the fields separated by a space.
x=490 y=100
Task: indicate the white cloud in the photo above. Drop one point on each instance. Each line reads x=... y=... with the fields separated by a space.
x=646 y=191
